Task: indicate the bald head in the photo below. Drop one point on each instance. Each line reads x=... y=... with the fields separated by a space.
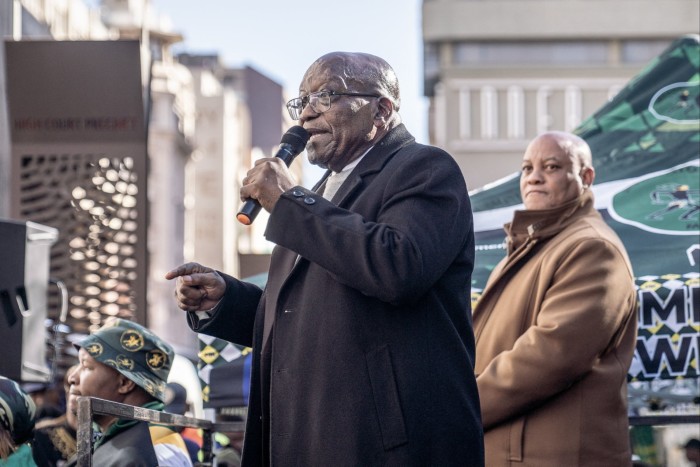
x=557 y=167
x=573 y=145
x=361 y=72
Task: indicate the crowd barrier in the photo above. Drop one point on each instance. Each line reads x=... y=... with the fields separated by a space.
x=90 y=406
x=658 y=420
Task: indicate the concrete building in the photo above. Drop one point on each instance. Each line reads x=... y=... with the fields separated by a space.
x=152 y=230
x=206 y=124
x=39 y=20
x=499 y=72
x=239 y=119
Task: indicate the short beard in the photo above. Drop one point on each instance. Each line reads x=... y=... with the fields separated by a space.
x=315 y=160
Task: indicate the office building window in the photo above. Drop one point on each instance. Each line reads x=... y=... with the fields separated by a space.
x=641 y=51
x=531 y=53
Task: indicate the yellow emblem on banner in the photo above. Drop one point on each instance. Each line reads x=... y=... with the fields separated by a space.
x=650 y=285
x=208 y=354
x=474 y=297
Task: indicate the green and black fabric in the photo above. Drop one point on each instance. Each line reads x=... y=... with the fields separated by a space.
x=54 y=442
x=135 y=352
x=17 y=411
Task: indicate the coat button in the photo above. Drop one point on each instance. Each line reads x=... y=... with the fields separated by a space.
x=297 y=193
x=309 y=200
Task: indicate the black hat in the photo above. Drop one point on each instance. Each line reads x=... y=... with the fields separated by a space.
x=692 y=443
x=17 y=411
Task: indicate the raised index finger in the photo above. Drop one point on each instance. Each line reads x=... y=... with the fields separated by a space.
x=186 y=270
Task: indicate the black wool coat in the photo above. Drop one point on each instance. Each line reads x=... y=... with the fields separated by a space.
x=363 y=342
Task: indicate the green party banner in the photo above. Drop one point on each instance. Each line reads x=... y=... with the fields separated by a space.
x=646 y=151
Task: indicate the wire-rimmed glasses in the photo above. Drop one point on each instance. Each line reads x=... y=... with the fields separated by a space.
x=319 y=101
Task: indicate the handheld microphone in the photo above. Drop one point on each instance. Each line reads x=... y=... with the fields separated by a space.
x=293 y=142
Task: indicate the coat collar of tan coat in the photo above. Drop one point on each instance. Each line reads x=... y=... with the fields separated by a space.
x=544 y=223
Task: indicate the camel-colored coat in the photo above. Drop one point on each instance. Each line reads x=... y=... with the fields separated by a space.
x=556 y=329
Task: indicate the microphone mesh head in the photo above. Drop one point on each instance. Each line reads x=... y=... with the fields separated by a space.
x=296 y=137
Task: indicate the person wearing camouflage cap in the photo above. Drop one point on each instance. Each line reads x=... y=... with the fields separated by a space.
x=125 y=362
x=17 y=413
x=133 y=351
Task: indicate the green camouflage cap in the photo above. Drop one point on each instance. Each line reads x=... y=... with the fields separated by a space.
x=133 y=351
x=17 y=411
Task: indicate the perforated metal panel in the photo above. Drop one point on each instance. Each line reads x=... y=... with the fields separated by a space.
x=92 y=200
x=79 y=165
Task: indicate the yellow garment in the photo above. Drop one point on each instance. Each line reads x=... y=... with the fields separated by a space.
x=164 y=435
x=169 y=446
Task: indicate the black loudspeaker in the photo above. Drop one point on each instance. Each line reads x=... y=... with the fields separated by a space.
x=24 y=280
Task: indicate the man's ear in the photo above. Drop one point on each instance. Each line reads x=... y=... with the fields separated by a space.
x=383 y=111
x=587 y=176
x=125 y=385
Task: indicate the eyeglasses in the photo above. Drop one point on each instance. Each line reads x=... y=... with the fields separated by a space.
x=319 y=101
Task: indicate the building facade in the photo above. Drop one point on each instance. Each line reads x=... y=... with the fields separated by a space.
x=205 y=124
x=499 y=72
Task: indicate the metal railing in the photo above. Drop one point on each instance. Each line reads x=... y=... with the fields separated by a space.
x=90 y=406
x=657 y=420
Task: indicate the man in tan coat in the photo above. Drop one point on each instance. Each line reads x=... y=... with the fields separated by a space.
x=556 y=324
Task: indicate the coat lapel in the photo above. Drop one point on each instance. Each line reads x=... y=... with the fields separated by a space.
x=373 y=162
